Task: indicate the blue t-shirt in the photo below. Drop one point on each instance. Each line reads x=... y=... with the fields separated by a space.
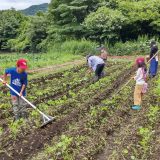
x=17 y=80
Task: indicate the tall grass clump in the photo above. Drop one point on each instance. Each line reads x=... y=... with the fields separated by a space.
x=75 y=47
x=141 y=46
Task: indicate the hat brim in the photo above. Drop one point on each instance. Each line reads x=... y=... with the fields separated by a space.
x=23 y=67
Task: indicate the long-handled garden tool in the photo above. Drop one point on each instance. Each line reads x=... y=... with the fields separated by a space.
x=46 y=119
x=131 y=78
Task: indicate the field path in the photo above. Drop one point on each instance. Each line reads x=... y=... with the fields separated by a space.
x=74 y=63
x=55 y=67
x=58 y=66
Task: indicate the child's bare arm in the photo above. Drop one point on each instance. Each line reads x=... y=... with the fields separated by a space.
x=5 y=78
x=23 y=88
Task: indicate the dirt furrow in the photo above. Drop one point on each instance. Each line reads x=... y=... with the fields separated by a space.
x=60 y=93
x=32 y=143
x=154 y=152
x=120 y=144
x=75 y=87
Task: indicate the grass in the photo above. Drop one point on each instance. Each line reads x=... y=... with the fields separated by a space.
x=36 y=60
x=56 y=54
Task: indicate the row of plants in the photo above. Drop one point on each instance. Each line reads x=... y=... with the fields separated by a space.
x=58 y=103
x=146 y=133
x=85 y=94
x=70 y=81
x=45 y=83
x=58 y=90
x=43 y=79
x=155 y=121
x=131 y=139
x=96 y=128
x=88 y=135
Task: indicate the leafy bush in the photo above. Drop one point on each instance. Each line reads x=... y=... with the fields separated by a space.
x=32 y=33
x=104 y=24
x=10 y=21
x=78 y=47
x=142 y=18
x=139 y=47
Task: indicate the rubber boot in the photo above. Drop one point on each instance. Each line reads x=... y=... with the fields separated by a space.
x=24 y=115
x=17 y=117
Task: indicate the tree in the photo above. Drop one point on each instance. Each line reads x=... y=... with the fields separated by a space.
x=141 y=18
x=32 y=32
x=104 y=24
x=10 y=21
x=66 y=17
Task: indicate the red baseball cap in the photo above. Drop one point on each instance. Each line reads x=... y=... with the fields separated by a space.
x=22 y=63
x=140 y=60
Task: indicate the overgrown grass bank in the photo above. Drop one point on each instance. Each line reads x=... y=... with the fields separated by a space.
x=59 y=53
x=36 y=60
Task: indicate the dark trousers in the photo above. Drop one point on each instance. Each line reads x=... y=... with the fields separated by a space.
x=99 y=70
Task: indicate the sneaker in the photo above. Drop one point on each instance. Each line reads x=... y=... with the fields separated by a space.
x=136 y=107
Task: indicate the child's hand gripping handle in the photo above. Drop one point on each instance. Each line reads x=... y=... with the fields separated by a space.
x=4 y=82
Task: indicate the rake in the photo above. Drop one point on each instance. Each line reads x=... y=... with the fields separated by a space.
x=46 y=119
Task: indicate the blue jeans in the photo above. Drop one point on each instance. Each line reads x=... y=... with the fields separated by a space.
x=153 y=67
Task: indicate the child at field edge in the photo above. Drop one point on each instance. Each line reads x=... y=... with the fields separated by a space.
x=140 y=79
x=18 y=81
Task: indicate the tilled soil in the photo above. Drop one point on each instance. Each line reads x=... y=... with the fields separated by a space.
x=60 y=93
x=125 y=137
x=33 y=142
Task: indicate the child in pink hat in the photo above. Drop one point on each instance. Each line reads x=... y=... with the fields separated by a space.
x=141 y=84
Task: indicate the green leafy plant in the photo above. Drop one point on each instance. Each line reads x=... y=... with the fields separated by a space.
x=145 y=134
x=60 y=150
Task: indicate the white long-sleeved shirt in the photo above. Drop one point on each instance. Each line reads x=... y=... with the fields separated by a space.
x=139 y=77
x=93 y=61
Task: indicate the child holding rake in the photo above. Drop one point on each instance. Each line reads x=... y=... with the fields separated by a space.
x=141 y=85
x=19 y=83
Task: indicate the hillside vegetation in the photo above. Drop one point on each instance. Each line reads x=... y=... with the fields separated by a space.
x=35 y=8
x=106 y=22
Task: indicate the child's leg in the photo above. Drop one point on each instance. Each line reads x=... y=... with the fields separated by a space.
x=23 y=108
x=138 y=95
x=15 y=104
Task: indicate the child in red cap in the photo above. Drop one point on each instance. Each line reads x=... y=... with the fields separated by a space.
x=18 y=81
x=140 y=79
